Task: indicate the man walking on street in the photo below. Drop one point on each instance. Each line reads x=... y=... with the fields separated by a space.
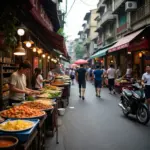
x=111 y=78
x=98 y=80
x=81 y=76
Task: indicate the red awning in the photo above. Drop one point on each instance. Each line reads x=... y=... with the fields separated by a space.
x=124 y=42
x=56 y=40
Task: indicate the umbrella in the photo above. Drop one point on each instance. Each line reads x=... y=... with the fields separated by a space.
x=73 y=65
x=81 y=61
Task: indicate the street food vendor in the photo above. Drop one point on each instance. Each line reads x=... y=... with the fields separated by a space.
x=58 y=70
x=18 y=87
x=129 y=71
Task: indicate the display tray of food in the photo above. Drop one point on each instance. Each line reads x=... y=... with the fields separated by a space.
x=22 y=112
x=22 y=135
x=38 y=105
x=46 y=101
x=16 y=125
x=8 y=142
x=50 y=94
x=51 y=87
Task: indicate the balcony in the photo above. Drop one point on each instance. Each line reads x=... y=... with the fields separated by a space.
x=107 y=17
x=118 y=4
x=100 y=6
x=110 y=35
x=86 y=42
x=122 y=29
x=99 y=41
x=140 y=13
x=87 y=28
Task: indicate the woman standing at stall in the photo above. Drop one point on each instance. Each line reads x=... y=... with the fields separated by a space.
x=39 y=79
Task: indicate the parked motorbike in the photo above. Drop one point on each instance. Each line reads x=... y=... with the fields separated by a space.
x=133 y=102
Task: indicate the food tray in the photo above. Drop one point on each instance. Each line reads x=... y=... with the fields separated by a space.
x=24 y=135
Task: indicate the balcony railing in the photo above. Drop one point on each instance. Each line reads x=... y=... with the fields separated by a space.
x=99 y=3
x=110 y=35
x=140 y=13
x=87 y=27
x=118 y=3
x=106 y=17
x=99 y=41
x=122 y=28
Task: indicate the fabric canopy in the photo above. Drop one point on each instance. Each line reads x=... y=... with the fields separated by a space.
x=100 y=53
x=81 y=61
x=124 y=42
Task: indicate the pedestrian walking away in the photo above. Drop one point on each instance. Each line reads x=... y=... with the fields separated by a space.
x=81 y=76
x=98 y=80
x=72 y=75
x=111 y=78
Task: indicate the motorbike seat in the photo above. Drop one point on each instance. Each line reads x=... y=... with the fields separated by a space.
x=127 y=92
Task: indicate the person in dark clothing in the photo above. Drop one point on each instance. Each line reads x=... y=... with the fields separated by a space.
x=98 y=80
x=81 y=76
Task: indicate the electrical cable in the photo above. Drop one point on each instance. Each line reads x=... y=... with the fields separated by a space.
x=71 y=7
x=86 y=3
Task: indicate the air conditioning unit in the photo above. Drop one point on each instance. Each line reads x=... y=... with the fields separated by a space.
x=130 y=6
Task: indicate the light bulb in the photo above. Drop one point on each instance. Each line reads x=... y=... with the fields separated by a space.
x=49 y=57
x=20 y=32
x=28 y=44
x=43 y=55
x=34 y=49
x=60 y=56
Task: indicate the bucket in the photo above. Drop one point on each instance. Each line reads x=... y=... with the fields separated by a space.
x=61 y=111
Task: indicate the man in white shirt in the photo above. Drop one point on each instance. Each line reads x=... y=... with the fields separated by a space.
x=18 y=87
x=111 y=78
x=146 y=82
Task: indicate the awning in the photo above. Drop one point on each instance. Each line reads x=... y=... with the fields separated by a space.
x=56 y=40
x=100 y=53
x=124 y=42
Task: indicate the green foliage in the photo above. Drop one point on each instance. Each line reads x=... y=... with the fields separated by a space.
x=79 y=50
x=8 y=23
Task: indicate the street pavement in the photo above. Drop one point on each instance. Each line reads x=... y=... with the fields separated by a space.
x=98 y=124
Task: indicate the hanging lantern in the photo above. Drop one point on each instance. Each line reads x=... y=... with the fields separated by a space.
x=140 y=55
x=43 y=55
x=20 y=51
x=21 y=32
x=28 y=43
x=40 y=51
x=34 y=49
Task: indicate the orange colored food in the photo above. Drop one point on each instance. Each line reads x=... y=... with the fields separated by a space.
x=58 y=83
x=37 y=105
x=21 y=112
x=5 y=143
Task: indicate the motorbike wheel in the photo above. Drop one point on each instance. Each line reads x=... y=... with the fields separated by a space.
x=143 y=114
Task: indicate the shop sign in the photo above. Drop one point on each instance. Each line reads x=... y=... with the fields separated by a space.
x=143 y=44
x=36 y=62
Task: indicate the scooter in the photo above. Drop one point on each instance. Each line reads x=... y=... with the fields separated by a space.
x=133 y=102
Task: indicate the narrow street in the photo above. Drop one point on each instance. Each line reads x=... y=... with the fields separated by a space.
x=98 y=124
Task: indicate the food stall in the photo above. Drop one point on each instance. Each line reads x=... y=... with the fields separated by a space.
x=30 y=120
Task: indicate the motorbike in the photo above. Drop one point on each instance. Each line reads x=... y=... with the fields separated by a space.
x=133 y=102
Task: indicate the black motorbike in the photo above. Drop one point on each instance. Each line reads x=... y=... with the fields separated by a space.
x=133 y=102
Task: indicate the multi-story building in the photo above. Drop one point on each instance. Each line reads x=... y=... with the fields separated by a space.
x=127 y=23
x=71 y=50
x=89 y=31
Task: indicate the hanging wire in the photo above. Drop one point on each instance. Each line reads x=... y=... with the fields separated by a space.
x=71 y=8
x=86 y=3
